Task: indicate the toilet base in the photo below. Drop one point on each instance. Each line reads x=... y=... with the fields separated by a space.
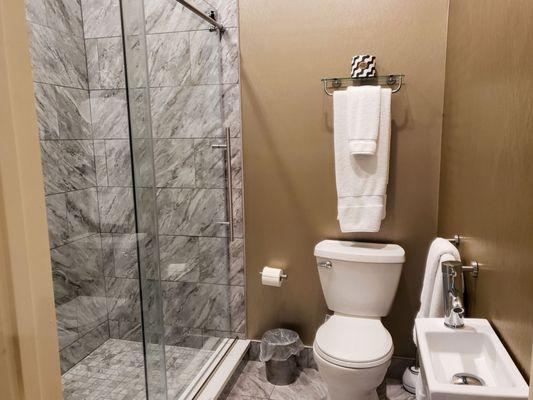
x=351 y=383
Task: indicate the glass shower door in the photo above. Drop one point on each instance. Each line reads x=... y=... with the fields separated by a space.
x=182 y=171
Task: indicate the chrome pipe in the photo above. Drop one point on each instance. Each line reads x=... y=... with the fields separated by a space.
x=202 y=15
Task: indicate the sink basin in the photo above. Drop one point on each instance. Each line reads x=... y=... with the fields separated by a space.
x=469 y=356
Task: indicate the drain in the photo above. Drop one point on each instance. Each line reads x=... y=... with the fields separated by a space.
x=467 y=379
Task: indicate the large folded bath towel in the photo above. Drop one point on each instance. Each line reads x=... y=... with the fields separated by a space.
x=361 y=179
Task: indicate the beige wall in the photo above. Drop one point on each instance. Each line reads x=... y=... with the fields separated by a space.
x=487 y=169
x=29 y=360
x=290 y=196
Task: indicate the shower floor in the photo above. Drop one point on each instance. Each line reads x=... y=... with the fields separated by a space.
x=115 y=371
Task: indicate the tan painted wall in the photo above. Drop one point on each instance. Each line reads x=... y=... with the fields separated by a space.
x=487 y=169
x=29 y=359
x=290 y=196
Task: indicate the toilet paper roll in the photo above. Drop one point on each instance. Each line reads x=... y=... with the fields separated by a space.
x=272 y=276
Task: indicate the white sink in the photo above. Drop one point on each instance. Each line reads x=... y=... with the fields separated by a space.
x=474 y=350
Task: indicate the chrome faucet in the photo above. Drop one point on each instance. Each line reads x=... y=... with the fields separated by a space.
x=452 y=276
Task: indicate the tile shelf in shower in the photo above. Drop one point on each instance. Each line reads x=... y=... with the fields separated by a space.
x=394 y=81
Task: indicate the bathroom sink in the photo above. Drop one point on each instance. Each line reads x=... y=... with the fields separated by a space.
x=466 y=363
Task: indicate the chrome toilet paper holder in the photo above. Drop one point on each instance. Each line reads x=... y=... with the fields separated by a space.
x=282 y=276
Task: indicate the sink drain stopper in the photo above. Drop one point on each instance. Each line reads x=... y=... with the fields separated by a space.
x=467 y=379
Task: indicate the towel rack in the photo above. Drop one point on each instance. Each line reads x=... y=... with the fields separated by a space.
x=394 y=81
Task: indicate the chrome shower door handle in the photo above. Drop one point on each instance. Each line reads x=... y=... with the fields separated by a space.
x=229 y=180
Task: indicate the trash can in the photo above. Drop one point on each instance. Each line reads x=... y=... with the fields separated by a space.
x=279 y=349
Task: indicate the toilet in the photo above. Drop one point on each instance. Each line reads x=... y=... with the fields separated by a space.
x=352 y=349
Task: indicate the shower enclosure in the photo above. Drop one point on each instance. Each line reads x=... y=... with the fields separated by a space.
x=137 y=104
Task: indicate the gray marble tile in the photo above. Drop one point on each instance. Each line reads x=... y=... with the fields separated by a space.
x=123 y=304
x=57 y=58
x=93 y=67
x=227 y=12
x=92 y=312
x=111 y=63
x=125 y=255
x=77 y=269
x=237 y=262
x=213 y=260
x=174 y=163
x=186 y=337
x=101 y=18
x=140 y=116
x=236 y=162
x=46 y=107
x=395 y=391
x=205 y=58
x=118 y=161
x=230 y=56
x=67 y=165
x=194 y=305
x=192 y=212
x=109 y=114
x=231 y=103
x=56 y=212
x=100 y=162
x=64 y=16
x=186 y=112
x=108 y=254
x=308 y=382
x=252 y=382
x=67 y=322
x=238 y=222
x=169 y=59
x=170 y=16
x=237 y=309
x=137 y=62
x=116 y=210
x=209 y=163
x=179 y=257
x=82 y=347
x=82 y=213
x=73 y=113
x=36 y=12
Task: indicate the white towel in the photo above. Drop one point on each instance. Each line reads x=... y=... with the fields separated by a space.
x=361 y=180
x=364 y=108
x=431 y=298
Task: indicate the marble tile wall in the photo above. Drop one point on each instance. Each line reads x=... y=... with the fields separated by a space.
x=193 y=78
x=63 y=106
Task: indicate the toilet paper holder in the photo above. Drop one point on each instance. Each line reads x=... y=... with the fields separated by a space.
x=282 y=276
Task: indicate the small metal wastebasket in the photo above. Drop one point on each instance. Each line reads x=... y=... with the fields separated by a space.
x=279 y=349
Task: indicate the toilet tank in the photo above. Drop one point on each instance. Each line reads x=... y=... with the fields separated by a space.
x=358 y=278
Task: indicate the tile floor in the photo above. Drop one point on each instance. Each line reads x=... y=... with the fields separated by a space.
x=115 y=371
x=250 y=384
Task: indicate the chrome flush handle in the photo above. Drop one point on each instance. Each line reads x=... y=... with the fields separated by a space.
x=325 y=265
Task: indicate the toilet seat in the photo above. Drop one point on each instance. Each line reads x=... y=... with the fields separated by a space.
x=353 y=342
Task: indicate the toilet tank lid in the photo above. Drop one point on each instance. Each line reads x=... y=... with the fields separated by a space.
x=360 y=251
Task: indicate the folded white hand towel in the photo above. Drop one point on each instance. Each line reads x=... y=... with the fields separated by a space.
x=431 y=298
x=361 y=180
x=364 y=109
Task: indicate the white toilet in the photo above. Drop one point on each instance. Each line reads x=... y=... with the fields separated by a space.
x=352 y=348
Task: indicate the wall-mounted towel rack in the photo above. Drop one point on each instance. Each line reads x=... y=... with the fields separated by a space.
x=393 y=81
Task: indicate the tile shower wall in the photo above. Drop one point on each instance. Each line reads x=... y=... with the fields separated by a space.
x=68 y=159
x=194 y=86
x=194 y=80
x=81 y=102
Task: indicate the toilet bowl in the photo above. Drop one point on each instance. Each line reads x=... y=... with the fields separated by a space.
x=352 y=349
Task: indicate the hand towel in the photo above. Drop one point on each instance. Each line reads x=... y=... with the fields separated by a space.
x=364 y=108
x=361 y=180
x=431 y=299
